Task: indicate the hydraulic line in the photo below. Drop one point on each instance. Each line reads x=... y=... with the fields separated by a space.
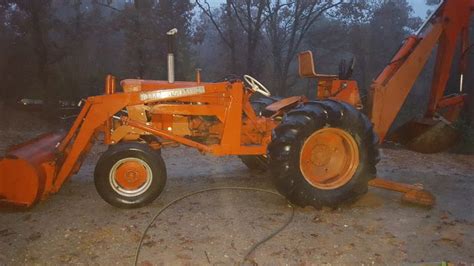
x=252 y=249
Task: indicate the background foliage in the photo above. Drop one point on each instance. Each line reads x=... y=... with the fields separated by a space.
x=55 y=49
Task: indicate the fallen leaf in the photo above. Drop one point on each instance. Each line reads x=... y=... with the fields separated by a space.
x=34 y=236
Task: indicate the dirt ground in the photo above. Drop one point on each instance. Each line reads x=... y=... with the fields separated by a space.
x=76 y=226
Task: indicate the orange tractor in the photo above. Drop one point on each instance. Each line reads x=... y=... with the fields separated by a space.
x=320 y=153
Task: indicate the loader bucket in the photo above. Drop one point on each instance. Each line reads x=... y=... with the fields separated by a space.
x=27 y=171
x=428 y=135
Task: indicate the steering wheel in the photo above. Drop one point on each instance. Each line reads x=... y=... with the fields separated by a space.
x=256 y=86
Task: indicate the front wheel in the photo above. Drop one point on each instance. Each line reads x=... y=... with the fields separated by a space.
x=130 y=175
x=323 y=154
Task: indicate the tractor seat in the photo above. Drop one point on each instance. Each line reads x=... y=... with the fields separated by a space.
x=306 y=67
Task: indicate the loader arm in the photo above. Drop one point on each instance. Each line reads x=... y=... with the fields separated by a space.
x=32 y=171
x=96 y=111
x=442 y=29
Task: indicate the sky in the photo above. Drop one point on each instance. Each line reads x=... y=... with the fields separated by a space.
x=418 y=6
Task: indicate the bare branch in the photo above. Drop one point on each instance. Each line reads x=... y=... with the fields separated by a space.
x=237 y=14
x=108 y=6
x=207 y=11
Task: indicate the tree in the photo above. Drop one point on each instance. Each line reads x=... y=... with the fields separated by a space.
x=138 y=20
x=251 y=16
x=176 y=14
x=144 y=24
x=287 y=26
x=225 y=24
x=38 y=20
x=5 y=36
x=39 y=27
x=237 y=16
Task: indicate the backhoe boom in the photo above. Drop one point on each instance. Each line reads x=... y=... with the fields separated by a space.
x=392 y=86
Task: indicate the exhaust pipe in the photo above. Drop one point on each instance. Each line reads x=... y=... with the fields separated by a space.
x=171 y=39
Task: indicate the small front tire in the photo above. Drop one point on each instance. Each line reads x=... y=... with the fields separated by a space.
x=130 y=175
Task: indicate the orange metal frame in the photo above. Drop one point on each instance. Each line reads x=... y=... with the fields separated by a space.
x=228 y=102
x=329 y=86
x=394 y=83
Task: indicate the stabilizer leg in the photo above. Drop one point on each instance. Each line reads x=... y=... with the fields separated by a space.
x=411 y=193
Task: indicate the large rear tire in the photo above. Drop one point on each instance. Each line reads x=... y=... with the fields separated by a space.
x=323 y=154
x=130 y=175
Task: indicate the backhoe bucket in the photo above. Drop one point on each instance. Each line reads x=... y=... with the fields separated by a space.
x=27 y=171
x=428 y=135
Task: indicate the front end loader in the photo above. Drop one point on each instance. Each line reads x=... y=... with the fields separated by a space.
x=206 y=116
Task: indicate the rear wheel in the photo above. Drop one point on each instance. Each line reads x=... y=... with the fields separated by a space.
x=130 y=175
x=323 y=154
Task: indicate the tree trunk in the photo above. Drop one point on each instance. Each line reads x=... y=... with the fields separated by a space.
x=231 y=43
x=41 y=52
